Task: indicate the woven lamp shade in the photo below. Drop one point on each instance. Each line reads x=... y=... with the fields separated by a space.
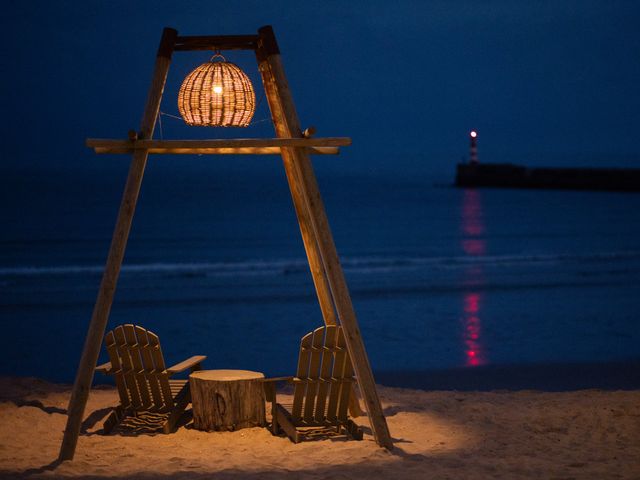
x=217 y=94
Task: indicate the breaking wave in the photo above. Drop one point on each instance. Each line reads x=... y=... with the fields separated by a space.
x=299 y=265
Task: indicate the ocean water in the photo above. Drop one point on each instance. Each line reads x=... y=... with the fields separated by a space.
x=442 y=279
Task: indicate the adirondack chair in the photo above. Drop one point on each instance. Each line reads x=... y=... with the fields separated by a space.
x=321 y=388
x=142 y=380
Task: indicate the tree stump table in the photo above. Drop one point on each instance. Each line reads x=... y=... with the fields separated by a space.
x=227 y=399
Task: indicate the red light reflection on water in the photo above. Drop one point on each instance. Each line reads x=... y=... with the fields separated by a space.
x=472 y=329
x=473 y=244
x=472 y=221
x=472 y=303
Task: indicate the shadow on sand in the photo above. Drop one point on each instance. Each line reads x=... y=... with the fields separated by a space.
x=358 y=470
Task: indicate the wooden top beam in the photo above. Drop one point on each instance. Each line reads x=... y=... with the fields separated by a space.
x=217 y=42
x=252 y=146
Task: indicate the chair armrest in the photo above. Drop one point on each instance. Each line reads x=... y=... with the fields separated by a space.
x=269 y=385
x=193 y=363
x=104 y=368
x=277 y=379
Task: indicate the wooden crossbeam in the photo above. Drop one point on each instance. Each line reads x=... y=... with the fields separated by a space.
x=216 y=42
x=239 y=146
x=220 y=151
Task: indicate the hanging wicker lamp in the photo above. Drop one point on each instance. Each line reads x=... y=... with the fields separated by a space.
x=217 y=94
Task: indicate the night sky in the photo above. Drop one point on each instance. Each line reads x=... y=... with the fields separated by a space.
x=541 y=80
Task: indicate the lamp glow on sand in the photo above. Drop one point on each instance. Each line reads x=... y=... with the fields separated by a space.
x=447 y=434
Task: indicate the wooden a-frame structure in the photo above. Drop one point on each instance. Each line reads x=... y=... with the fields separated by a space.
x=295 y=148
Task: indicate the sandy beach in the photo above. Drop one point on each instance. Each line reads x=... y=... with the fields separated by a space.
x=437 y=434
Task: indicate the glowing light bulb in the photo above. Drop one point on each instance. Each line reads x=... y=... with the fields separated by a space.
x=473 y=133
x=217 y=89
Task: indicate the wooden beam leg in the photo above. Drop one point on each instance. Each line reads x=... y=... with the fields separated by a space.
x=313 y=257
x=304 y=189
x=304 y=220
x=100 y=315
x=302 y=214
x=344 y=307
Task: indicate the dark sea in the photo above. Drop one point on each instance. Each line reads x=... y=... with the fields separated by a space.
x=453 y=288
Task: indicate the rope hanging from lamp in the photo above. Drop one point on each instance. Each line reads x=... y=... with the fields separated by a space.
x=217 y=94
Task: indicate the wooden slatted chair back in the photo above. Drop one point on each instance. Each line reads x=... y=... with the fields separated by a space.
x=323 y=381
x=139 y=369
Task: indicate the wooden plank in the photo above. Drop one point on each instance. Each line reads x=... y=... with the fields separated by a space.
x=313 y=376
x=139 y=370
x=161 y=373
x=238 y=146
x=181 y=400
x=128 y=370
x=346 y=373
x=176 y=386
x=218 y=151
x=304 y=185
x=284 y=420
x=156 y=352
x=216 y=42
x=112 y=350
x=150 y=368
x=220 y=143
x=100 y=316
x=299 y=389
x=325 y=372
x=192 y=362
x=337 y=371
